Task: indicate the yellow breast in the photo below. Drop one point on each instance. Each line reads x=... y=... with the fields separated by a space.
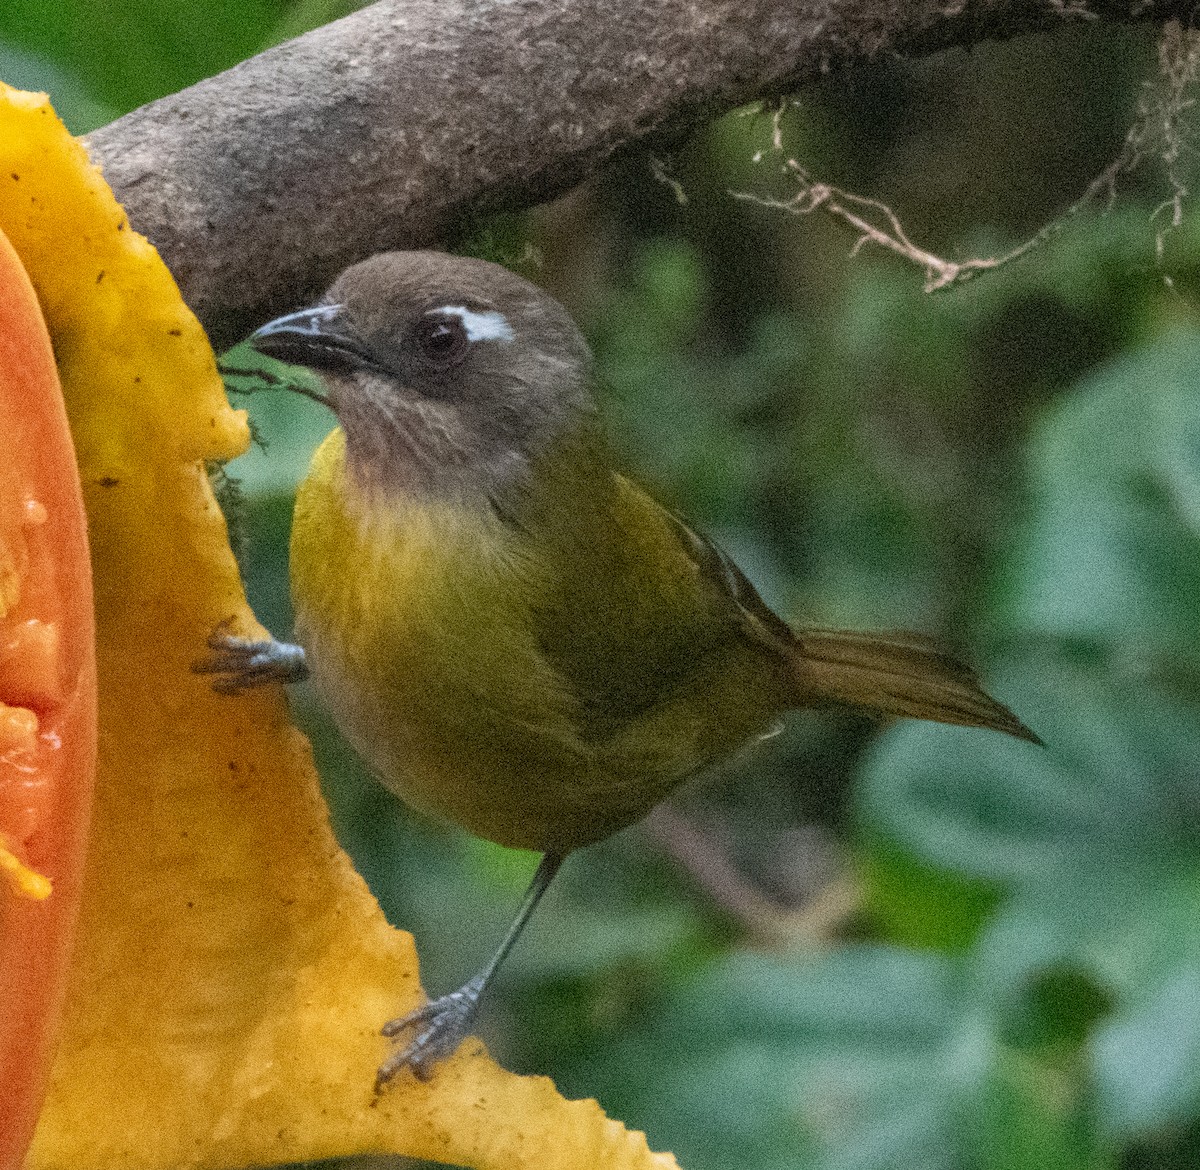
x=415 y=618
x=421 y=621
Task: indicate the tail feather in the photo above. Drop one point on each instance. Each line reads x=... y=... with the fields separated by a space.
x=896 y=674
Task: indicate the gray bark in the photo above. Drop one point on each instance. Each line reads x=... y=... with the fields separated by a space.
x=390 y=127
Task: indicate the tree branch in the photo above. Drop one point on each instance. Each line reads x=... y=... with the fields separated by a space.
x=393 y=127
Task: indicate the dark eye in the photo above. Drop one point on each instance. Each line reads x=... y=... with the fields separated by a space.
x=442 y=339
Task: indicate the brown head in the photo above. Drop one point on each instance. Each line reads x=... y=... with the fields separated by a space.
x=445 y=372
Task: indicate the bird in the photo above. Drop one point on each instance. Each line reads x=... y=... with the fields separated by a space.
x=513 y=635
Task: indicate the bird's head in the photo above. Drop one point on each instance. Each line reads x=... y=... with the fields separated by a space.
x=445 y=372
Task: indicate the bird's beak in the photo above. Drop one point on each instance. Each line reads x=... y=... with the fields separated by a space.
x=320 y=338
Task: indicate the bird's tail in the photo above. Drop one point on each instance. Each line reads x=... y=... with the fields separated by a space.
x=896 y=674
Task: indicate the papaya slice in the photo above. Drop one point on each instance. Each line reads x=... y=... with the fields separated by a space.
x=232 y=970
x=47 y=703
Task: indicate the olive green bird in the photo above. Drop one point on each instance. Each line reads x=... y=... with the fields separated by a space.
x=511 y=634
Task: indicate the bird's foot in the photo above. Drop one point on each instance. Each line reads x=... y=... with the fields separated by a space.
x=242 y=663
x=435 y=1031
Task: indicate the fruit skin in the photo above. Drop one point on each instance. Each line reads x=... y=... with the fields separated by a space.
x=47 y=704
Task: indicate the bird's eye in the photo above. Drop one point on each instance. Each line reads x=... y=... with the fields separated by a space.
x=442 y=339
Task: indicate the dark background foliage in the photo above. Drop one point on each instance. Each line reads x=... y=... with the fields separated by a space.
x=855 y=947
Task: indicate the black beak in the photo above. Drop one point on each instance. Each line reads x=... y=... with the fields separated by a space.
x=320 y=338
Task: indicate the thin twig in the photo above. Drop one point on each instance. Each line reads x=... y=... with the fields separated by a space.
x=661 y=170
x=1165 y=105
x=1158 y=130
x=705 y=861
x=1068 y=9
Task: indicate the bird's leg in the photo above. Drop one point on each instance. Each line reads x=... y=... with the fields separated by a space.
x=436 y=1029
x=242 y=663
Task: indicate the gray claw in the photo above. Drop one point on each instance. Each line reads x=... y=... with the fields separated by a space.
x=438 y=1027
x=242 y=663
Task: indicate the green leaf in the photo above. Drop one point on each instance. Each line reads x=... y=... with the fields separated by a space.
x=1111 y=554
x=820 y=1063
x=913 y=903
x=129 y=53
x=870 y=1058
x=1098 y=837
x=1121 y=938
x=1116 y=779
x=1033 y=1116
x=1148 y=1058
x=72 y=102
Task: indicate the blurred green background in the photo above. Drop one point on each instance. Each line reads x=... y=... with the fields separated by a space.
x=855 y=947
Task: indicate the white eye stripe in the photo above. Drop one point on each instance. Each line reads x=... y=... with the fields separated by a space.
x=489 y=326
